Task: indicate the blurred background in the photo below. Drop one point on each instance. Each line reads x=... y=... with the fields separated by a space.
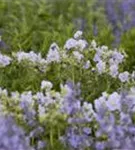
x=35 y=24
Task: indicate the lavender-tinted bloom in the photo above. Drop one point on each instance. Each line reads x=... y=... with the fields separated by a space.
x=26 y=100
x=117 y=57
x=76 y=139
x=36 y=132
x=41 y=145
x=41 y=99
x=124 y=77
x=21 y=56
x=53 y=54
x=97 y=58
x=70 y=104
x=87 y=130
x=113 y=102
x=100 y=145
x=99 y=51
x=34 y=57
x=11 y=136
x=125 y=119
x=3 y=45
x=76 y=43
x=71 y=43
x=114 y=70
x=4 y=60
x=100 y=103
x=101 y=66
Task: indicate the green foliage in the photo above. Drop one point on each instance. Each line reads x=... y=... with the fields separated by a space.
x=128 y=43
x=36 y=24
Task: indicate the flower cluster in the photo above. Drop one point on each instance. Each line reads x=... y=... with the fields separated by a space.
x=11 y=136
x=77 y=42
x=108 y=123
x=106 y=60
x=60 y=113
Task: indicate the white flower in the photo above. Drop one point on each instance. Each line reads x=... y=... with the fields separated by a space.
x=133 y=75
x=105 y=94
x=34 y=57
x=78 y=34
x=46 y=85
x=87 y=65
x=78 y=56
x=43 y=62
x=21 y=56
x=93 y=44
x=53 y=54
x=88 y=107
x=3 y=91
x=71 y=43
x=104 y=48
x=124 y=76
x=15 y=95
x=31 y=56
x=81 y=44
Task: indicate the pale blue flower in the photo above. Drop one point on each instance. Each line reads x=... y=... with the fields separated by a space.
x=114 y=70
x=101 y=66
x=53 y=54
x=71 y=43
x=113 y=102
x=4 y=60
x=124 y=77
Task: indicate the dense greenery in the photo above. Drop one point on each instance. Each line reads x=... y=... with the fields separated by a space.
x=36 y=24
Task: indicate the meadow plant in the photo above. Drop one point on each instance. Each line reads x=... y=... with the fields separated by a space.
x=68 y=109
x=77 y=61
x=64 y=120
